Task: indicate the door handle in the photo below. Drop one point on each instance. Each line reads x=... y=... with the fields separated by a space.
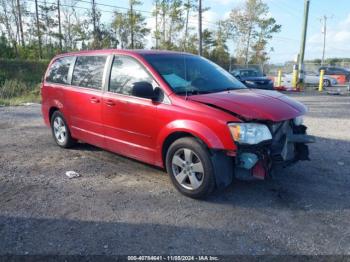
x=110 y=103
x=94 y=100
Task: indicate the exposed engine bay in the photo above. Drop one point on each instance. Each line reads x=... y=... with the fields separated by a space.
x=287 y=146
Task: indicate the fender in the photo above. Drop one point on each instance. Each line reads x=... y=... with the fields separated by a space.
x=194 y=128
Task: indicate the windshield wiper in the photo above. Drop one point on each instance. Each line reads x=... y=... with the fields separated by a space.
x=201 y=92
x=192 y=92
x=223 y=90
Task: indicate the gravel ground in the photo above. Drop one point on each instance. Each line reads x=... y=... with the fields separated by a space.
x=121 y=206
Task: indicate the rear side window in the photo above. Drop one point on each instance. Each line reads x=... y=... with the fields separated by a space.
x=88 y=71
x=125 y=73
x=58 y=72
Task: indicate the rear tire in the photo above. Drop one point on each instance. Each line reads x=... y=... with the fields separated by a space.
x=60 y=131
x=190 y=168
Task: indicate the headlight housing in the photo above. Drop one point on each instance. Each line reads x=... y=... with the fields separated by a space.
x=249 y=133
x=299 y=120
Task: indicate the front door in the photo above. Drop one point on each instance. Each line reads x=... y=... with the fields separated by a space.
x=130 y=123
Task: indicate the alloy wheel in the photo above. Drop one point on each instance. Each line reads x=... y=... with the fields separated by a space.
x=188 y=169
x=60 y=130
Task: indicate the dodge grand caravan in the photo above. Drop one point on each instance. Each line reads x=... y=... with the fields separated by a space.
x=174 y=110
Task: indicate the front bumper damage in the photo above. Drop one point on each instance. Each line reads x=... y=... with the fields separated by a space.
x=288 y=145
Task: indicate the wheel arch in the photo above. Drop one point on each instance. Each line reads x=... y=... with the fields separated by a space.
x=52 y=110
x=172 y=137
x=179 y=129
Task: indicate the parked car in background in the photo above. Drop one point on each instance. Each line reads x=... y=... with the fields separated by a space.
x=174 y=110
x=311 y=78
x=332 y=70
x=253 y=78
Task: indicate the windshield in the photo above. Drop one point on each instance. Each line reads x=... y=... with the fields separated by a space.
x=251 y=73
x=189 y=74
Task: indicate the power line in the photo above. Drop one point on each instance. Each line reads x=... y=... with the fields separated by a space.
x=112 y=12
x=105 y=11
x=115 y=6
x=71 y=6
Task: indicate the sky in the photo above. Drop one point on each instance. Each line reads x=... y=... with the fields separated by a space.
x=288 y=13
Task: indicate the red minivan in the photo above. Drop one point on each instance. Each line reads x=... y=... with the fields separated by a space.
x=174 y=110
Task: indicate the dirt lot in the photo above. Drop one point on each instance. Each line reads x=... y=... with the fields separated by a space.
x=120 y=206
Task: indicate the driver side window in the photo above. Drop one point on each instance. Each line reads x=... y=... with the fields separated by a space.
x=125 y=72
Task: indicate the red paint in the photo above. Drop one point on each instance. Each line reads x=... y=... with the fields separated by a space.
x=258 y=171
x=255 y=104
x=341 y=79
x=137 y=127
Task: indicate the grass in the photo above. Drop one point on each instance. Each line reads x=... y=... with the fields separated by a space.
x=15 y=92
x=31 y=97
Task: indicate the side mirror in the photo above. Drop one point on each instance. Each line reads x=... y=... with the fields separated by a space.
x=158 y=95
x=142 y=89
x=145 y=90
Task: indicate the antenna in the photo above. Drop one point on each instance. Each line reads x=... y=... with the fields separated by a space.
x=185 y=65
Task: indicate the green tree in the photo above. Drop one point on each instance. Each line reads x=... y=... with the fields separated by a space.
x=48 y=24
x=6 y=50
x=96 y=33
x=7 y=20
x=172 y=23
x=75 y=27
x=208 y=42
x=130 y=29
x=121 y=30
x=251 y=29
x=267 y=27
x=220 y=54
x=189 y=5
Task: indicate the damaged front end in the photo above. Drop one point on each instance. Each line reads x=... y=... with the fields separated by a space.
x=288 y=144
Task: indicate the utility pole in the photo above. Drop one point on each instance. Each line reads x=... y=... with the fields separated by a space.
x=157 y=32
x=59 y=23
x=200 y=27
x=303 y=41
x=324 y=32
x=94 y=19
x=187 y=8
x=324 y=29
x=131 y=18
x=163 y=20
x=38 y=29
x=20 y=21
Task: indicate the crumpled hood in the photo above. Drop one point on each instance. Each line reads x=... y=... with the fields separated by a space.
x=254 y=104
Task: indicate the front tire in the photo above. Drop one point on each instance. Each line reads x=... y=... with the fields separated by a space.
x=60 y=131
x=190 y=168
x=326 y=83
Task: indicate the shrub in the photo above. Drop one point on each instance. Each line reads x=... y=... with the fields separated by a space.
x=14 y=88
x=20 y=81
x=27 y=71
